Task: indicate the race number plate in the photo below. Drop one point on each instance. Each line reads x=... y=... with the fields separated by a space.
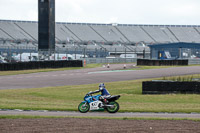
x=94 y=105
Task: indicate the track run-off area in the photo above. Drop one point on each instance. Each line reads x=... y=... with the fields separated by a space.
x=66 y=121
x=90 y=76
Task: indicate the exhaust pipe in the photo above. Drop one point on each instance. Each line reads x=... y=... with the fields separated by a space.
x=111 y=106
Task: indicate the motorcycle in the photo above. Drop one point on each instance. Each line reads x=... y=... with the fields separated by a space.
x=97 y=102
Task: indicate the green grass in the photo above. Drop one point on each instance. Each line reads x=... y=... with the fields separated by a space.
x=3 y=73
x=82 y=117
x=152 y=67
x=26 y=117
x=67 y=98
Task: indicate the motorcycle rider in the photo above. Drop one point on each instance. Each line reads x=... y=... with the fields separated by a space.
x=104 y=92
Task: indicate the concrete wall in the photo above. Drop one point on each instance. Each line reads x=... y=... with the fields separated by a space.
x=105 y=60
x=122 y=60
x=194 y=61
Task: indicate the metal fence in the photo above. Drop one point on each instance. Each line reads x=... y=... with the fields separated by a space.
x=24 y=54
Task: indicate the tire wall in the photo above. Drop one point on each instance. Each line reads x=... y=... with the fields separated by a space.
x=159 y=87
x=147 y=62
x=39 y=65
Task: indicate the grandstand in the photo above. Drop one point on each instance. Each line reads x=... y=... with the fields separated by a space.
x=93 y=38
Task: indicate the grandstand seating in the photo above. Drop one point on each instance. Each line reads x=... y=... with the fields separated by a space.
x=29 y=28
x=64 y=35
x=108 y=33
x=84 y=32
x=13 y=31
x=135 y=34
x=91 y=47
x=170 y=34
x=4 y=36
x=111 y=37
x=186 y=34
x=157 y=34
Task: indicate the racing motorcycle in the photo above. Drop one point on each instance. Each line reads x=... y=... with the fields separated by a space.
x=97 y=103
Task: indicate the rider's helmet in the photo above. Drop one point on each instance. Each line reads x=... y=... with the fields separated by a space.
x=101 y=86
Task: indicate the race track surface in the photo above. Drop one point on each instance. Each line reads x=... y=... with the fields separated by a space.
x=89 y=76
x=100 y=114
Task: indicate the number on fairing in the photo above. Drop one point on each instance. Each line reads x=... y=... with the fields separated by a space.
x=94 y=105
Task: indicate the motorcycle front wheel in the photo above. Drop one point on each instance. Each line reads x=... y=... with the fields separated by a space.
x=113 y=109
x=83 y=107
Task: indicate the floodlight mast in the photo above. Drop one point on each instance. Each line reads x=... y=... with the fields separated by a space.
x=46 y=26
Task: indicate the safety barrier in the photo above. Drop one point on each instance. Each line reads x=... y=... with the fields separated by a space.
x=39 y=65
x=165 y=87
x=194 y=61
x=148 y=62
x=109 y=60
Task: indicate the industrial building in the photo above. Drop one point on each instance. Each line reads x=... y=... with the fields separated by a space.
x=179 y=50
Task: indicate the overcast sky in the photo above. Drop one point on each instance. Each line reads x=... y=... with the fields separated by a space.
x=181 y=12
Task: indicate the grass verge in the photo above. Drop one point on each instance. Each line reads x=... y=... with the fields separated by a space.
x=67 y=98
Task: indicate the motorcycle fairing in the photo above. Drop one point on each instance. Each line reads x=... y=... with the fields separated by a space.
x=95 y=105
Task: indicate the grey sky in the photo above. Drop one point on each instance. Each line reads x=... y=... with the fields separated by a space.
x=109 y=11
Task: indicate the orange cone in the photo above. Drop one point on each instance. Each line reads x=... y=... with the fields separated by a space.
x=84 y=62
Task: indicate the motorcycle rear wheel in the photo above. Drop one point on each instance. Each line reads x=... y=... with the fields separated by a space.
x=113 y=110
x=83 y=107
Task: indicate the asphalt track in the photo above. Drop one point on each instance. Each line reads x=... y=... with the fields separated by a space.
x=89 y=76
x=101 y=114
